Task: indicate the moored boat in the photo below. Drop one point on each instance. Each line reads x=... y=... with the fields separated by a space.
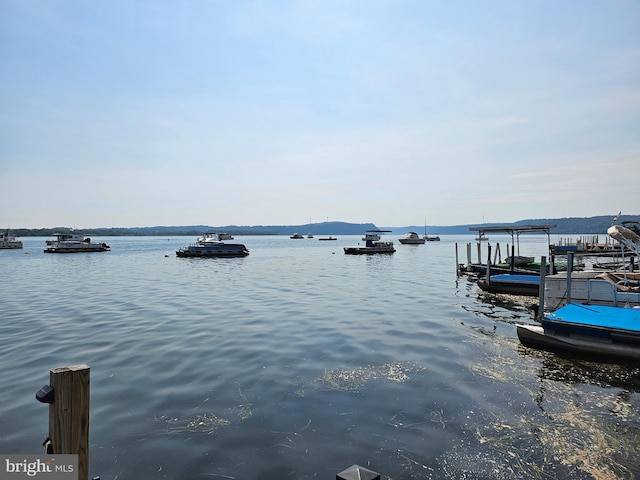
x=327 y=238
x=74 y=242
x=9 y=241
x=209 y=246
x=528 y=285
x=612 y=288
x=411 y=238
x=296 y=236
x=587 y=329
x=372 y=246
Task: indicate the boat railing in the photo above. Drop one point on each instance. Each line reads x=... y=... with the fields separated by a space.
x=601 y=292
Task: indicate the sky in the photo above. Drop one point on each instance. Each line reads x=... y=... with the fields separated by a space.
x=392 y=112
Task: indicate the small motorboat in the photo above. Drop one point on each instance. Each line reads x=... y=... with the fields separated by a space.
x=411 y=238
x=296 y=236
x=371 y=246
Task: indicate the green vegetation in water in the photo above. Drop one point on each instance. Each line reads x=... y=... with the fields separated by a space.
x=353 y=380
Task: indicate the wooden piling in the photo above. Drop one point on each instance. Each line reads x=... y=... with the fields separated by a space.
x=543 y=281
x=69 y=414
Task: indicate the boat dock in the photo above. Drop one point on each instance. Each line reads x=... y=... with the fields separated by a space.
x=495 y=265
x=587 y=245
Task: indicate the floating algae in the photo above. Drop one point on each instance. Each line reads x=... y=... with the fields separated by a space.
x=585 y=424
x=207 y=423
x=353 y=380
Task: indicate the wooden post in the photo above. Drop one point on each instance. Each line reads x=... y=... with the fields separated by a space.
x=69 y=414
x=543 y=281
x=488 y=280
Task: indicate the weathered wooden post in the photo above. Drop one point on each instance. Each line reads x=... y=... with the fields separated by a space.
x=488 y=274
x=68 y=397
x=356 y=472
x=543 y=280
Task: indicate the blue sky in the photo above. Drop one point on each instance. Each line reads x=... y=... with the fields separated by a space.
x=120 y=113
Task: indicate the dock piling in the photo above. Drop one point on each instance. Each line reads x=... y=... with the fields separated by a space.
x=68 y=397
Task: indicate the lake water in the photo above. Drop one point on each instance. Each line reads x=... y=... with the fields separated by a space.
x=299 y=361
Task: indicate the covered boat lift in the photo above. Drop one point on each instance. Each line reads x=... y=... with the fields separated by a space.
x=515 y=232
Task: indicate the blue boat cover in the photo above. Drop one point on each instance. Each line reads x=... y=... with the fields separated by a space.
x=515 y=279
x=598 y=316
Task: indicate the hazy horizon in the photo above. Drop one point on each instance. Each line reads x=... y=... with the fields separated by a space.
x=150 y=113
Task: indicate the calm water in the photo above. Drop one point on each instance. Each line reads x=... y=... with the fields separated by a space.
x=299 y=361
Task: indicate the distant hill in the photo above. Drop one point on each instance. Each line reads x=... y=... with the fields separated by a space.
x=572 y=225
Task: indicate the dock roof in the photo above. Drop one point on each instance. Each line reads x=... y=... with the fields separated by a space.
x=513 y=229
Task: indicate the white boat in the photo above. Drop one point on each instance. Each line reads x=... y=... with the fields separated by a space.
x=411 y=238
x=210 y=245
x=310 y=235
x=627 y=237
x=371 y=235
x=296 y=236
x=9 y=241
x=613 y=288
x=372 y=246
x=74 y=242
x=593 y=287
x=211 y=237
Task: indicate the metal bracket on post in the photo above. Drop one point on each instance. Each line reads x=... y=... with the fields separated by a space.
x=48 y=446
x=45 y=394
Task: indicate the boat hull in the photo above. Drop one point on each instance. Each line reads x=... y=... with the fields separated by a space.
x=528 y=285
x=11 y=246
x=82 y=248
x=412 y=241
x=536 y=336
x=368 y=250
x=218 y=251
